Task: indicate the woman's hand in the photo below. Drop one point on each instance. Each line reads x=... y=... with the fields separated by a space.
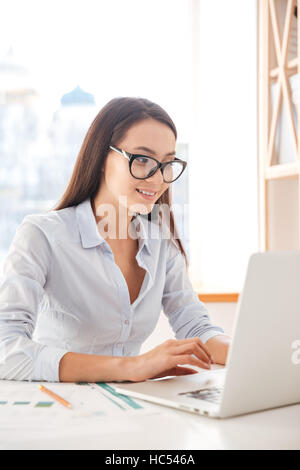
x=166 y=358
x=218 y=347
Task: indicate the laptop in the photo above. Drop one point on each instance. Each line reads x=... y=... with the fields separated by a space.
x=263 y=363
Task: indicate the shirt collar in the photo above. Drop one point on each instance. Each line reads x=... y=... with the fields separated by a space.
x=89 y=233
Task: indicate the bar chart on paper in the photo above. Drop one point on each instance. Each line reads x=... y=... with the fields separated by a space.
x=24 y=402
x=121 y=401
x=30 y=419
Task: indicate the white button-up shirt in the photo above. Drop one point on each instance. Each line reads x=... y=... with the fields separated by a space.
x=62 y=291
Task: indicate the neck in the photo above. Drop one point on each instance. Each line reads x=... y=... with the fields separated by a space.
x=113 y=219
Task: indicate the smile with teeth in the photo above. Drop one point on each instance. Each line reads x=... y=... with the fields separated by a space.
x=147 y=193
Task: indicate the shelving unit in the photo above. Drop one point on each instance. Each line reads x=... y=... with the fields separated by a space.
x=278 y=131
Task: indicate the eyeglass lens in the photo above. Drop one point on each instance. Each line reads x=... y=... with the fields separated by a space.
x=143 y=167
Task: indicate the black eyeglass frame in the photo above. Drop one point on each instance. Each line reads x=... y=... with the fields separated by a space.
x=131 y=157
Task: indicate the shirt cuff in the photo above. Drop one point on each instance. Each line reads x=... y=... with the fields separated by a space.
x=47 y=364
x=209 y=334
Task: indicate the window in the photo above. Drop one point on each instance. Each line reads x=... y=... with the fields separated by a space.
x=87 y=53
x=195 y=58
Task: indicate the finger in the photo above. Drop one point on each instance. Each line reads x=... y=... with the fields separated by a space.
x=188 y=359
x=202 y=345
x=192 y=348
x=202 y=350
x=196 y=340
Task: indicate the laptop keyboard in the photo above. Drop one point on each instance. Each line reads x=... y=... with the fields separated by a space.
x=212 y=394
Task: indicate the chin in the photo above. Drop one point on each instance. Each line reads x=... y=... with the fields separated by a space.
x=145 y=210
x=142 y=209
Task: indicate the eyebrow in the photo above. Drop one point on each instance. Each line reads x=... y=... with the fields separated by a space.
x=146 y=149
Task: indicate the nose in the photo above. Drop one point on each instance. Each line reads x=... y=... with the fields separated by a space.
x=157 y=178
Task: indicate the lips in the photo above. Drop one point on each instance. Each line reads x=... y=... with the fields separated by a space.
x=147 y=190
x=146 y=196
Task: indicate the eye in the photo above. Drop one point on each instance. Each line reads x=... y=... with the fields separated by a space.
x=141 y=159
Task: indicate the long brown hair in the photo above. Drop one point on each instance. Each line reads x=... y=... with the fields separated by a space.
x=108 y=128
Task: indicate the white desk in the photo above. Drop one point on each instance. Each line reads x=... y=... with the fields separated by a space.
x=174 y=429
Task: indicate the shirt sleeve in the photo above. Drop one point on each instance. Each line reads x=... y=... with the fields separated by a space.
x=25 y=271
x=187 y=315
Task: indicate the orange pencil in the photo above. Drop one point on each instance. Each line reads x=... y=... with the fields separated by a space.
x=56 y=397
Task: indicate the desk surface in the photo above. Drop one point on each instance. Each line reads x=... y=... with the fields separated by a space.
x=171 y=429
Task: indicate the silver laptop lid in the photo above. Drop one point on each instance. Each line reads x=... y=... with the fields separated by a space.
x=264 y=357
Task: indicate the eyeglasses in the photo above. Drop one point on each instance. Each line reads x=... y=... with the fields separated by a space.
x=142 y=167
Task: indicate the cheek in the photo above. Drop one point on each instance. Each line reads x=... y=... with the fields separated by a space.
x=123 y=187
x=119 y=180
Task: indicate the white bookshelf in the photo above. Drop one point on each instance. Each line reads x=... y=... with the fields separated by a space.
x=278 y=130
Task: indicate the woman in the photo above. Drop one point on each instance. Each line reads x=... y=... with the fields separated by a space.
x=84 y=283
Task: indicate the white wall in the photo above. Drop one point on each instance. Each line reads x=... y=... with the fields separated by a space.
x=223 y=161
x=221 y=314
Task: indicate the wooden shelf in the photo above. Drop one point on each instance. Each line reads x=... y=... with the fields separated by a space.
x=218 y=297
x=283 y=170
x=215 y=293
x=278 y=124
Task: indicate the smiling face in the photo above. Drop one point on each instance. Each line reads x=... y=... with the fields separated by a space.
x=117 y=180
